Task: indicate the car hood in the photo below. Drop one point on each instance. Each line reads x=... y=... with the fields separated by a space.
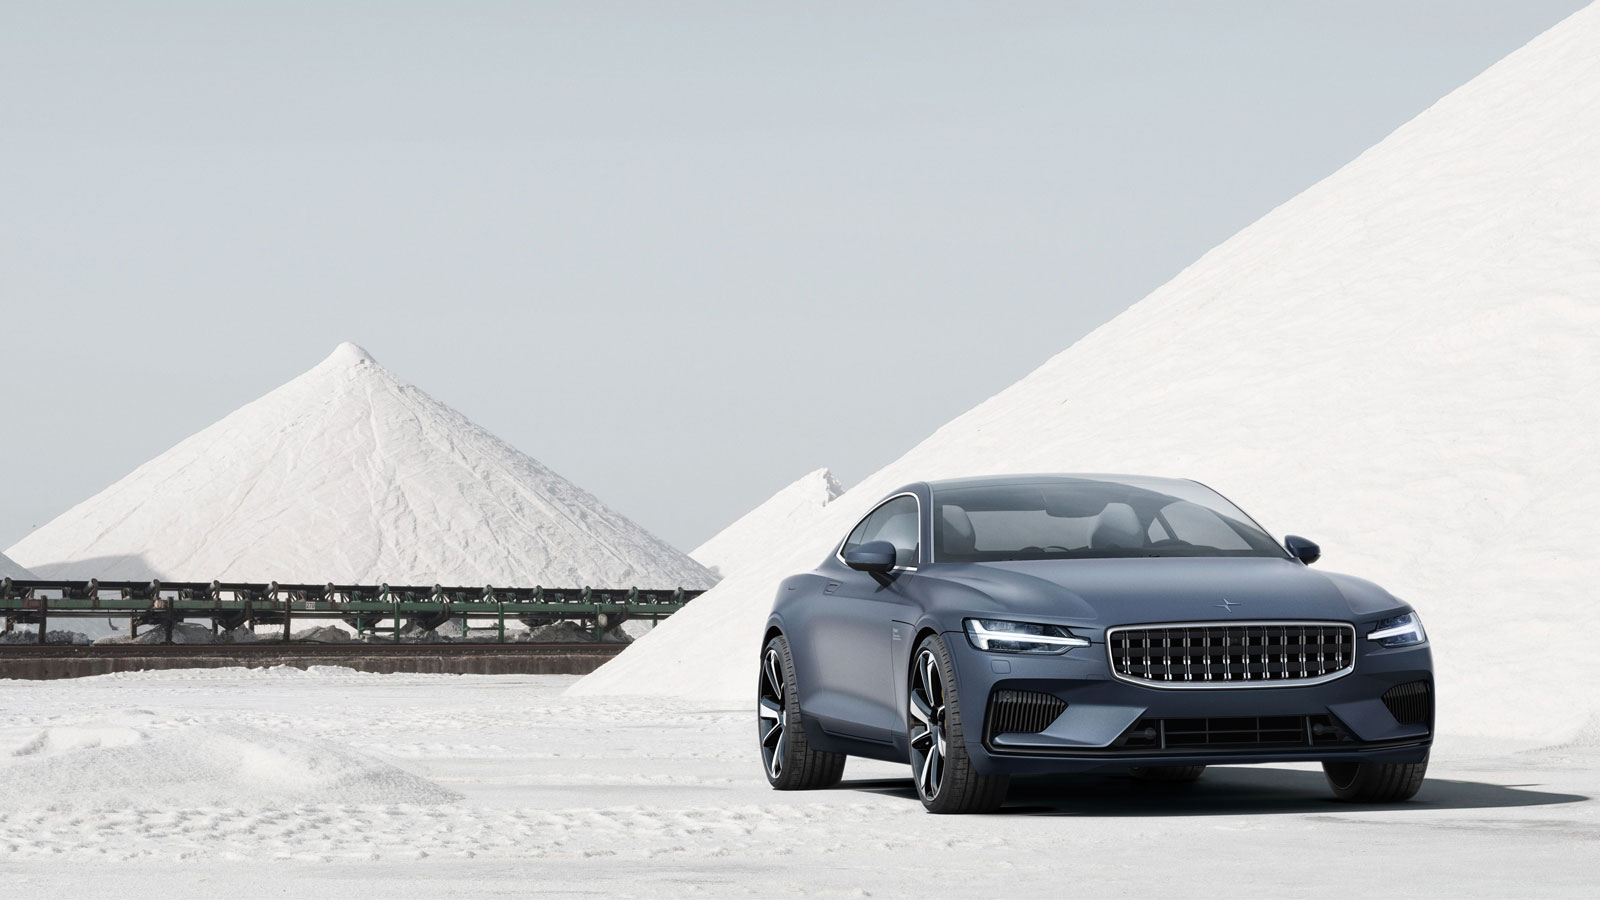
x=1107 y=592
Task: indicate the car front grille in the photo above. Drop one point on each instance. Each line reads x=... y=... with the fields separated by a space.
x=1410 y=703
x=1231 y=655
x=1237 y=733
x=1021 y=712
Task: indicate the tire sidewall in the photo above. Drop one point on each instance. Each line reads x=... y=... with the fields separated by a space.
x=1375 y=782
x=790 y=706
x=790 y=775
x=955 y=735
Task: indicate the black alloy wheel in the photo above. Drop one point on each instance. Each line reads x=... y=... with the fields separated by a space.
x=787 y=757
x=945 y=778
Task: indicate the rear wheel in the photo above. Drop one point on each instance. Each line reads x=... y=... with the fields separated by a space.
x=789 y=760
x=1167 y=774
x=1375 y=782
x=945 y=778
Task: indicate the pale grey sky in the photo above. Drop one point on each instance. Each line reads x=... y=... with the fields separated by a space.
x=682 y=253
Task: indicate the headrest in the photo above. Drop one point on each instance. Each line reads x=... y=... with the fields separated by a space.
x=1117 y=528
x=959 y=537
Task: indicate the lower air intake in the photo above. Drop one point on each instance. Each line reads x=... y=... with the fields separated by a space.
x=1410 y=703
x=1021 y=712
x=1239 y=733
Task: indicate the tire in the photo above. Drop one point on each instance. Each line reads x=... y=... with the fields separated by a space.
x=945 y=780
x=1167 y=774
x=787 y=757
x=1375 y=782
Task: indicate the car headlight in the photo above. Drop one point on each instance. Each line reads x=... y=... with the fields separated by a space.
x=1399 y=631
x=1021 y=637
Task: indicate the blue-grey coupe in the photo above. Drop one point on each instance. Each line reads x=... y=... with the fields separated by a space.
x=982 y=628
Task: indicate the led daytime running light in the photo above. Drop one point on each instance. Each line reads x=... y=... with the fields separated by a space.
x=1000 y=636
x=1399 y=631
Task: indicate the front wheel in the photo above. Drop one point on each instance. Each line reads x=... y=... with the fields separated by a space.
x=946 y=780
x=1375 y=782
x=789 y=760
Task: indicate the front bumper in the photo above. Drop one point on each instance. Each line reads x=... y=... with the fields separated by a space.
x=1092 y=732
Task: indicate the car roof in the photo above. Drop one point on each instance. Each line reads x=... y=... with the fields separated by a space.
x=1049 y=478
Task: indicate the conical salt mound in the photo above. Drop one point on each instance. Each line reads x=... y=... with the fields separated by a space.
x=752 y=537
x=1402 y=363
x=9 y=569
x=349 y=475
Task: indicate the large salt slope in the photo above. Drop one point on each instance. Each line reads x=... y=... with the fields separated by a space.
x=1402 y=362
x=9 y=569
x=348 y=474
x=752 y=538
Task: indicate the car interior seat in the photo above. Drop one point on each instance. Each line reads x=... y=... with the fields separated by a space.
x=1117 y=528
x=957 y=534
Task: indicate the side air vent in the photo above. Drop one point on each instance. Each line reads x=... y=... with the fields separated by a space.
x=1021 y=712
x=1410 y=703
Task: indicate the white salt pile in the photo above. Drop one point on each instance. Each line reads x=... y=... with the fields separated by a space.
x=1403 y=363
x=556 y=633
x=348 y=474
x=182 y=633
x=9 y=569
x=751 y=538
x=324 y=634
x=26 y=635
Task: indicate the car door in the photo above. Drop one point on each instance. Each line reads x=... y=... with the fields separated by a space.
x=854 y=628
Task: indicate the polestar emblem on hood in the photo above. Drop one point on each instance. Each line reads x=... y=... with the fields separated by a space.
x=1227 y=605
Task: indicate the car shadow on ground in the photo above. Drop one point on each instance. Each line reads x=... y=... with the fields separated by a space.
x=1226 y=791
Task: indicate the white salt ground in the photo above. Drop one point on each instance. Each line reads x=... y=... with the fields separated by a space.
x=333 y=783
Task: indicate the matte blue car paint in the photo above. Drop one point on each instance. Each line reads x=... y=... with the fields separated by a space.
x=852 y=636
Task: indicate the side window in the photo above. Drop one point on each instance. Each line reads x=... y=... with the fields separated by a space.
x=895 y=522
x=855 y=539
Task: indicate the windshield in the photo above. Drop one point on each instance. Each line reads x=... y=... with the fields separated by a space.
x=1090 y=518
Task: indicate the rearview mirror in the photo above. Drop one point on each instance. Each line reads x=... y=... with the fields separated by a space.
x=1300 y=548
x=873 y=556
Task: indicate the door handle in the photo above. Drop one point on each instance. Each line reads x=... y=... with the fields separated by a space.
x=832 y=586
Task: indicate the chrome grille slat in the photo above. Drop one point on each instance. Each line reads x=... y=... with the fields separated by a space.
x=1235 y=654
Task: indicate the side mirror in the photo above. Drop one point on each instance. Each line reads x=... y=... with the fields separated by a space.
x=1302 y=549
x=873 y=556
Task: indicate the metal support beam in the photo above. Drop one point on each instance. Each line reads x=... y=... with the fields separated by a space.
x=229 y=605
